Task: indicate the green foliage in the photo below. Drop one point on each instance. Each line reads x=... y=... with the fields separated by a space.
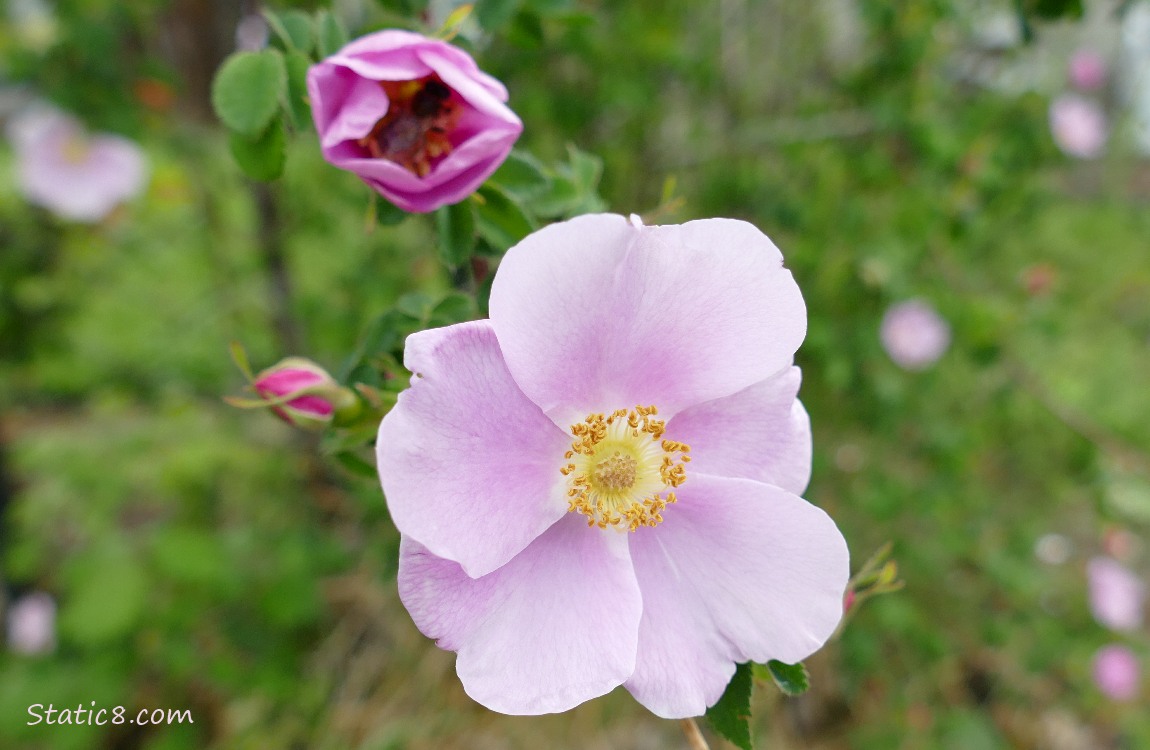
x=792 y=679
x=248 y=89
x=731 y=714
x=262 y=157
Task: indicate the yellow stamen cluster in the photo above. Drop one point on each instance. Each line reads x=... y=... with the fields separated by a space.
x=619 y=469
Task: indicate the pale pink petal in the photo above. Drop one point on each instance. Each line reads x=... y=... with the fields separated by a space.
x=469 y=466
x=1079 y=126
x=1117 y=672
x=598 y=313
x=1087 y=70
x=1117 y=596
x=761 y=432
x=554 y=627
x=738 y=570
x=32 y=624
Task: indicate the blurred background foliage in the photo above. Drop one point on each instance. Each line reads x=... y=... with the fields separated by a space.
x=210 y=559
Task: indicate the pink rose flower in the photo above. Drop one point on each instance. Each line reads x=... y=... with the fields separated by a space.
x=312 y=395
x=914 y=335
x=1116 y=672
x=1087 y=70
x=599 y=485
x=1078 y=126
x=414 y=117
x=77 y=176
x=1116 y=594
x=32 y=624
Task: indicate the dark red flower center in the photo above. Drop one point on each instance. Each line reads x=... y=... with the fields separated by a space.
x=416 y=130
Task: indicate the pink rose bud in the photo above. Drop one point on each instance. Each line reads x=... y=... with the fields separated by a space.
x=1116 y=672
x=415 y=118
x=303 y=394
x=75 y=175
x=914 y=335
x=32 y=624
x=1078 y=126
x=1087 y=70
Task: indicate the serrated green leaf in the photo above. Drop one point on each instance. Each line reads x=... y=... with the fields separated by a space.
x=262 y=157
x=247 y=89
x=294 y=28
x=456 y=227
x=296 y=64
x=792 y=679
x=731 y=715
x=331 y=36
x=559 y=199
x=501 y=220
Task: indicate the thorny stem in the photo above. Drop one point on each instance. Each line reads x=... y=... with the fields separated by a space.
x=694 y=736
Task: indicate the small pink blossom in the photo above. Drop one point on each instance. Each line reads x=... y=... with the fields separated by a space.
x=1079 y=126
x=1087 y=70
x=313 y=396
x=76 y=175
x=415 y=118
x=1117 y=672
x=1116 y=594
x=914 y=335
x=32 y=624
x=600 y=485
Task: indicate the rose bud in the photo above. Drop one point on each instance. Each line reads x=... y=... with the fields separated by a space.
x=303 y=394
x=414 y=117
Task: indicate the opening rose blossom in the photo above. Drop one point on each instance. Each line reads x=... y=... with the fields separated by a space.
x=76 y=175
x=600 y=485
x=414 y=117
x=914 y=335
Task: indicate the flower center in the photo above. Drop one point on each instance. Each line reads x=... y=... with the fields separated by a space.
x=415 y=131
x=620 y=472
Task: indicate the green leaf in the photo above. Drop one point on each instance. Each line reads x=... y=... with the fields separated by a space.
x=522 y=176
x=731 y=715
x=456 y=227
x=792 y=679
x=331 y=35
x=387 y=213
x=262 y=157
x=294 y=29
x=105 y=597
x=416 y=305
x=355 y=464
x=559 y=199
x=247 y=89
x=455 y=307
x=492 y=14
x=297 y=64
x=502 y=221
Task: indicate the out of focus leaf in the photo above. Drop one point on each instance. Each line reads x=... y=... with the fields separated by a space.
x=502 y=221
x=492 y=14
x=455 y=307
x=330 y=33
x=522 y=176
x=262 y=157
x=247 y=90
x=731 y=715
x=294 y=28
x=456 y=227
x=296 y=64
x=104 y=598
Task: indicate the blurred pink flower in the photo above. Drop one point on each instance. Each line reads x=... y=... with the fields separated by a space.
x=414 y=117
x=914 y=335
x=73 y=174
x=1116 y=672
x=1087 y=70
x=1116 y=594
x=529 y=445
x=1078 y=125
x=314 y=395
x=32 y=624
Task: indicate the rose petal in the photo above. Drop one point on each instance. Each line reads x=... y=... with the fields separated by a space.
x=737 y=571
x=464 y=456
x=554 y=627
x=761 y=433
x=596 y=313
